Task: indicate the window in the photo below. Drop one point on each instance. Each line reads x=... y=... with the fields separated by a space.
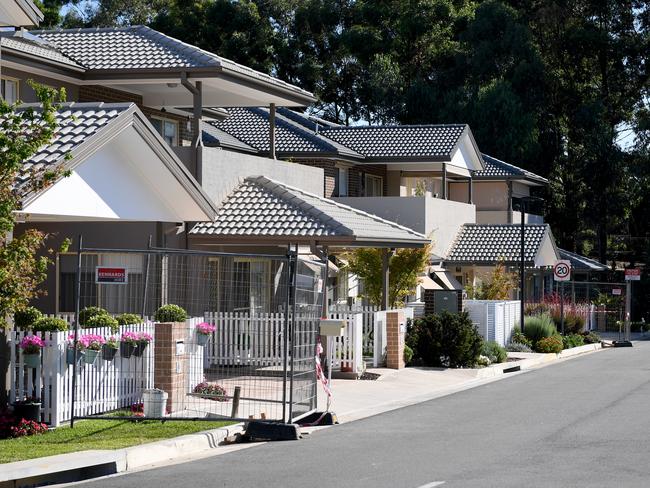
x=251 y=287
x=343 y=182
x=168 y=129
x=9 y=89
x=374 y=186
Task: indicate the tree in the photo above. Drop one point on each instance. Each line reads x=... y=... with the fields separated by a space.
x=22 y=133
x=498 y=285
x=405 y=266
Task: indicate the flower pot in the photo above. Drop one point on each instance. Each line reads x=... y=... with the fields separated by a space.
x=108 y=353
x=139 y=351
x=31 y=360
x=28 y=411
x=127 y=349
x=69 y=355
x=202 y=339
x=90 y=356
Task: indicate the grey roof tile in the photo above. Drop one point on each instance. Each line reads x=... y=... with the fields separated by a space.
x=215 y=137
x=77 y=122
x=260 y=206
x=32 y=47
x=251 y=125
x=395 y=141
x=495 y=168
x=489 y=243
x=139 y=47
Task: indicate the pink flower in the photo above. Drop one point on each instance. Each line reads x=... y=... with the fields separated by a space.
x=205 y=328
x=32 y=344
x=91 y=341
x=144 y=337
x=129 y=337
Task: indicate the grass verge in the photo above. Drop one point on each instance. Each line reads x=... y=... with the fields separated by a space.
x=98 y=434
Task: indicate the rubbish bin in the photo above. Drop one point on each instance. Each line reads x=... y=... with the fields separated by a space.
x=154 y=402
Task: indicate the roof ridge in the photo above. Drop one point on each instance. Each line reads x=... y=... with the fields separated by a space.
x=338 y=204
x=392 y=126
x=82 y=105
x=91 y=29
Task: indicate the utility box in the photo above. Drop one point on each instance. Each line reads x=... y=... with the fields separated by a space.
x=332 y=327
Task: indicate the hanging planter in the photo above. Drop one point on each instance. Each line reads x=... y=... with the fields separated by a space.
x=203 y=332
x=127 y=349
x=31 y=347
x=139 y=350
x=90 y=356
x=108 y=352
x=69 y=356
x=31 y=360
x=143 y=341
x=28 y=409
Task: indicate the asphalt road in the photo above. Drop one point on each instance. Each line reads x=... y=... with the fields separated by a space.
x=583 y=422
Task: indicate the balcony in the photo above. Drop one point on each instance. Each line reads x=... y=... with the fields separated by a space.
x=501 y=217
x=440 y=219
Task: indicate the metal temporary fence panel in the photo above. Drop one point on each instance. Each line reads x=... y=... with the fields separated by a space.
x=247 y=349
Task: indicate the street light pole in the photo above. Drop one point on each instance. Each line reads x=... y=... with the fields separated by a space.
x=522 y=264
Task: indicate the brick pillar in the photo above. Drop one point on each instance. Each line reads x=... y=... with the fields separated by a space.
x=171 y=365
x=395 y=332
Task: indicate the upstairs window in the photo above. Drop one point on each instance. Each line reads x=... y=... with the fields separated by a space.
x=342 y=182
x=374 y=186
x=167 y=128
x=9 y=90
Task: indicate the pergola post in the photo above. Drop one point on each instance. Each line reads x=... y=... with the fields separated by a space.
x=197 y=114
x=444 y=181
x=385 y=277
x=470 y=190
x=509 y=183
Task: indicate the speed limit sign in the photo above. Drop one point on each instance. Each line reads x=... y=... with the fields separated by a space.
x=562 y=270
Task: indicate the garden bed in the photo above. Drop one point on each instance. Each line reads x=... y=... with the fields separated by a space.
x=98 y=434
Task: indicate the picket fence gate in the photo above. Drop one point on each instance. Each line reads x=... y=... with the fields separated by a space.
x=368 y=322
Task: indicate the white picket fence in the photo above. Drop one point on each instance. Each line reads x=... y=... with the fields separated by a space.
x=348 y=349
x=101 y=387
x=368 y=320
x=495 y=320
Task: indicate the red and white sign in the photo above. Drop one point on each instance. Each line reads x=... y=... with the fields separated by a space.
x=114 y=276
x=633 y=274
x=617 y=291
x=562 y=270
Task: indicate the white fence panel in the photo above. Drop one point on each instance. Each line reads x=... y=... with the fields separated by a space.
x=348 y=349
x=495 y=320
x=368 y=316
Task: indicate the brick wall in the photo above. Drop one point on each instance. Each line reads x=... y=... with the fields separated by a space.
x=356 y=176
x=96 y=93
x=329 y=171
x=395 y=340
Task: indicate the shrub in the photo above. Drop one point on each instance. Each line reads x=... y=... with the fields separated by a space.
x=549 y=344
x=49 y=324
x=128 y=319
x=520 y=338
x=573 y=323
x=28 y=427
x=538 y=327
x=591 y=337
x=445 y=340
x=408 y=354
x=494 y=352
x=572 y=340
x=171 y=313
x=518 y=347
x=24 y=319
x=88 y=312
x=102 y=320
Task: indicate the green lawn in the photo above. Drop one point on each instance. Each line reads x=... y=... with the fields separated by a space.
x=97 y=434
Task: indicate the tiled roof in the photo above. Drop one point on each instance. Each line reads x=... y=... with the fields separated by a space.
x=581 y=263
x=489 y=243
x=251 y=126
x=32 y=47
x=495 y=168
x=77 y=122
x=141 y=48
x=314 y=124
x=260 y=207
x=426 y=141
x=215 y=137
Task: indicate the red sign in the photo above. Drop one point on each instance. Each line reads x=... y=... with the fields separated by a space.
x=115 y=276
x=633 y=274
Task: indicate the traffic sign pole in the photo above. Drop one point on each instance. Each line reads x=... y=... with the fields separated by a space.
x=562 y=307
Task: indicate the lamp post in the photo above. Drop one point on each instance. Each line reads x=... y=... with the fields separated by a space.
x=522 y=265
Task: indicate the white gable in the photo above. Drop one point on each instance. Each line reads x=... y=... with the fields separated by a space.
x=466 y=156
x=124 y=180
x=547 y=253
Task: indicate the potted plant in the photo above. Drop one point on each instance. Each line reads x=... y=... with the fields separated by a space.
x=203 y=331
x=31 y=347
x=128 y=344
x=100 y=321
x=143 y=341
x=70 y=351
x=23 y=319
x=211 y=391
x=91 y=344
x=170 y=313
x=109 y=348
x=28 y=408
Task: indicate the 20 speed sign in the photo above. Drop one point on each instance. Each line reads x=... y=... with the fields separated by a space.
x=562 y=270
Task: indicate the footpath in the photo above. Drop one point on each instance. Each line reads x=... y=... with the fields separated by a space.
x=352 y=400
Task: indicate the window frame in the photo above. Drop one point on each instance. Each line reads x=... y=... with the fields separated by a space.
x=163 y=120
x=3 y=80
x=368 y=176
